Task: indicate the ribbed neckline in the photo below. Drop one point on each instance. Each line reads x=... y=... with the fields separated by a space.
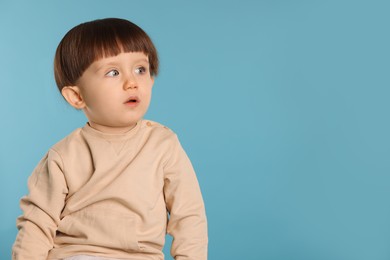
x=112 y=137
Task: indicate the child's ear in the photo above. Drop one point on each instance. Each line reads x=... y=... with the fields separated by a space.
x=152 y=77
x=73 y=95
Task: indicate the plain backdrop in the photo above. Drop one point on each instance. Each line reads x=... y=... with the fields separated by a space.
x=282 y=106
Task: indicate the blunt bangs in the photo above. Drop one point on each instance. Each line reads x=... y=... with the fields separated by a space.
x=91 y=41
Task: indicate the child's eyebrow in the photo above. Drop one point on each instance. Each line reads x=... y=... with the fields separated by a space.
x=143 y=59
x=115 y=63
x=105 y=65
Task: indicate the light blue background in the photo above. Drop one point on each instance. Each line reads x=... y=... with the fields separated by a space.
x=283 y=107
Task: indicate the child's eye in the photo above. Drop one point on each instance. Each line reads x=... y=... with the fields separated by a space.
x=112 y=73
x=140 y=70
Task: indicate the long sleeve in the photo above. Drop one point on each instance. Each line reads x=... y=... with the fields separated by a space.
x=187 y=223
x=41 y=210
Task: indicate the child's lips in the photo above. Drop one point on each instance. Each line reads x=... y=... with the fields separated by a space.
x=132 y=101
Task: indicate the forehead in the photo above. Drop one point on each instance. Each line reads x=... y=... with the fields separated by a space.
x=122 y=58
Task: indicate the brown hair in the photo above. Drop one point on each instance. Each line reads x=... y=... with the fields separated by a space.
x=97 y=39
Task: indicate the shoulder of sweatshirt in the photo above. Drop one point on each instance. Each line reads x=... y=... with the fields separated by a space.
x=72 y=138
x=156 y=127
x=161 y=132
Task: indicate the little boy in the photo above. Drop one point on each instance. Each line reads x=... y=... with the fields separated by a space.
x=106 y=190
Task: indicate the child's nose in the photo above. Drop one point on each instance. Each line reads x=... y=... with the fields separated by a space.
x=130 y=83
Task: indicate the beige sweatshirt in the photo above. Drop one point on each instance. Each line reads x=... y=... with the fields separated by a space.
x=109 y=195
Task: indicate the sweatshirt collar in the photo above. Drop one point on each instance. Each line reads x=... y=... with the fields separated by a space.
x=111 y=137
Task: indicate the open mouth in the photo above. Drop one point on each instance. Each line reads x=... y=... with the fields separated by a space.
x=132 y=100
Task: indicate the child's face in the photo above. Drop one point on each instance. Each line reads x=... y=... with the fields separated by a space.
x=116 y=91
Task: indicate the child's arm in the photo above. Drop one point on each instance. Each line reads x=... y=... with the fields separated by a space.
x=187 y=223
x=41 y=210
